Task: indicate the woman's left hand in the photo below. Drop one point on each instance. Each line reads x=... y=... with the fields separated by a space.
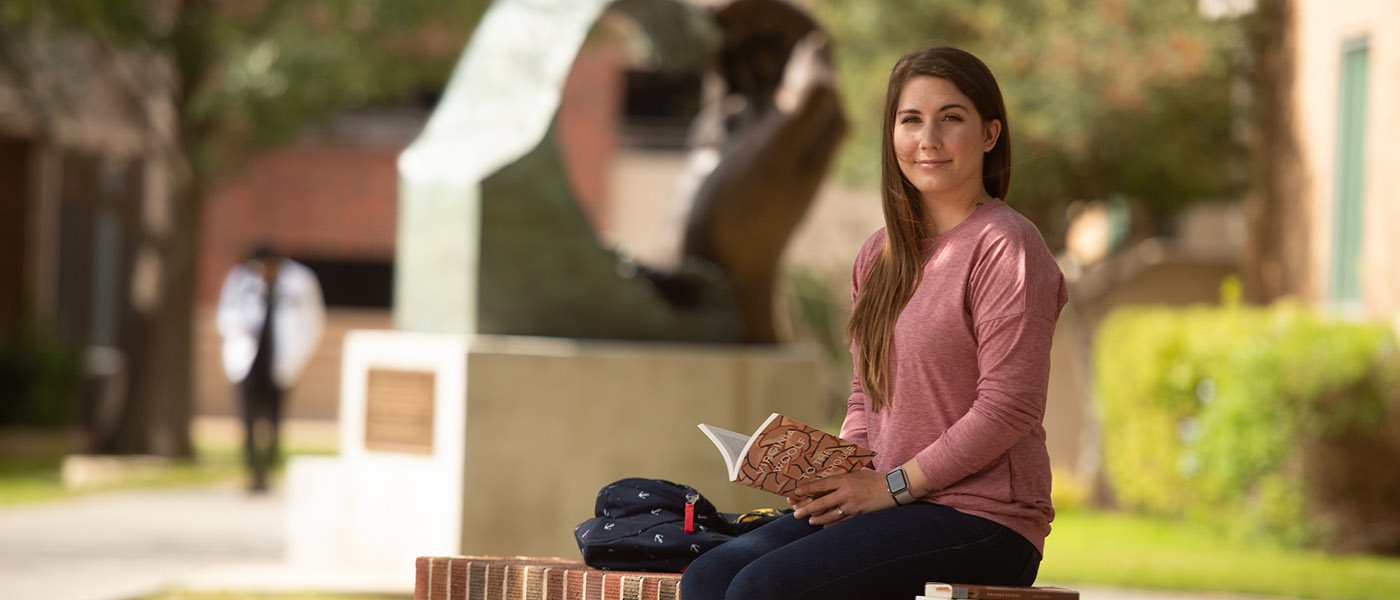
x=835 y=499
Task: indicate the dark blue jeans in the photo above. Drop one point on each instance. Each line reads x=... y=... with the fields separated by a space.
x=889 y=553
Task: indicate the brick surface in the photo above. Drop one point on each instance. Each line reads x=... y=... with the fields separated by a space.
x=539 y=578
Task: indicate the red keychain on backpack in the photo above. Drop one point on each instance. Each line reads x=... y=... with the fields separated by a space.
x=690 y=500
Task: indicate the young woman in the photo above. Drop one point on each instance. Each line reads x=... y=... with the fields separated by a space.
x=955 y=303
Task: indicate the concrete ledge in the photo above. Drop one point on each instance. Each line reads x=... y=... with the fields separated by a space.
x=90 y=471
x=524 y=433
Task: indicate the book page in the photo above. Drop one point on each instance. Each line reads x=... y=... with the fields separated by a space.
x=730 y=444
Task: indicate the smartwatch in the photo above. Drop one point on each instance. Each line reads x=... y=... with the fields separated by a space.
x=899 y=486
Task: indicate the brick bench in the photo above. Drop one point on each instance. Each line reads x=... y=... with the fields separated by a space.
x=534 y=578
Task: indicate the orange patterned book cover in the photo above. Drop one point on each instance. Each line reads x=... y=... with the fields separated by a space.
x=785 y=452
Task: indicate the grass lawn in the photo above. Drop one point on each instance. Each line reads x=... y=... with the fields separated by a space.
x=1111 y=549
x=37 y=478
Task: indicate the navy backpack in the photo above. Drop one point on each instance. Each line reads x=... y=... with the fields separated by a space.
x=641 y=525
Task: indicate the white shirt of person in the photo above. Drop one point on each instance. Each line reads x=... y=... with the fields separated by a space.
x=297 y=325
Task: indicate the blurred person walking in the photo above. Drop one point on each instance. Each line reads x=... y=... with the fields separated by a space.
x=271 y=316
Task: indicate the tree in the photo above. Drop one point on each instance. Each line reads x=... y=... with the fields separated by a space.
x=217 y=81
x=1126 y=98
x=1274 y=206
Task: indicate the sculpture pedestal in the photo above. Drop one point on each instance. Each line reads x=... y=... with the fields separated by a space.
x=498 y=445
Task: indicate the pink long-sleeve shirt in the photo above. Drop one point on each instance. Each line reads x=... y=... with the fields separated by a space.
x=969 y=371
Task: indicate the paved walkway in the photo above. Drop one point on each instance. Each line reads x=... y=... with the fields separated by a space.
x=122 y=545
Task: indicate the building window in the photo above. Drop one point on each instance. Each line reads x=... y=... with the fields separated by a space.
x=348 y=283
x=1351 y=145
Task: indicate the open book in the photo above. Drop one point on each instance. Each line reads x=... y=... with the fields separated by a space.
x=784 y=453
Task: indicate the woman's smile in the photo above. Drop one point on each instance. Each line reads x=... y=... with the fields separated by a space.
x=931 y=163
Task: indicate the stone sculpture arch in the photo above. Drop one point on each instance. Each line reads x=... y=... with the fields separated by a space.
x=491 y=239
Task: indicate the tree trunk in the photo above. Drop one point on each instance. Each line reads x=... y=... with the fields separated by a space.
x=158 y=327
x=1275 y=250
x=157 y=335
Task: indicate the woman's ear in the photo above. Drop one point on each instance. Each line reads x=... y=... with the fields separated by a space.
x=992 y=129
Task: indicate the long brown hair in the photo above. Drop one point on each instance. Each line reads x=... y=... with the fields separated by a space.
x=899 y=266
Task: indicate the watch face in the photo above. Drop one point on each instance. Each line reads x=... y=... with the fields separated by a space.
x=895 y=479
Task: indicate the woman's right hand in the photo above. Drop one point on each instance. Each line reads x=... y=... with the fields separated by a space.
x=835 y=499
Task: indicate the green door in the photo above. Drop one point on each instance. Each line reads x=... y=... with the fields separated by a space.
x=1351 y=154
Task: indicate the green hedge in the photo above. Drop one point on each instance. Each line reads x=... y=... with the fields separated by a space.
x=1271 y=422
x=39 y=376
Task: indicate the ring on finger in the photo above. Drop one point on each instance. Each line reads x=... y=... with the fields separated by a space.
x=839 y=512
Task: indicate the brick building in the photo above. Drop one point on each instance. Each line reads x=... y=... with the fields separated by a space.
x=80 y=172
x=329 y=200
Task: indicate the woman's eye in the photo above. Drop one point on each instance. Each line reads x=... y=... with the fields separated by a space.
x=910 y=119
x=952 y=117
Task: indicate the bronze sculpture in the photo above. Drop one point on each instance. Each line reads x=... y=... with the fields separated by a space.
x=769 y=127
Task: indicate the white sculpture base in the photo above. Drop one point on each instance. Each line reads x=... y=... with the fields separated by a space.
x=522 y=434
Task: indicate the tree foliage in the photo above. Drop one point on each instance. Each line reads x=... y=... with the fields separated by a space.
x=237 y=75
x=1128 y=98
x=251 y=73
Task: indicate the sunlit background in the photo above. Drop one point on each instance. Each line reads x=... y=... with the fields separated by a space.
x=1214 y=176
